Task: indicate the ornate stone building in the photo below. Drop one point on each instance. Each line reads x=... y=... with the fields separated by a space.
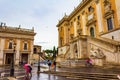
x=91 y=30
x=16 y=44
x=36 y=53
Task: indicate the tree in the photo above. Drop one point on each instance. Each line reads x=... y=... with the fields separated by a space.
x=51 y=54
x=54 y=52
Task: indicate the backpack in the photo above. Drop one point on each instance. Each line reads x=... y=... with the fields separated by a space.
x=30 y=68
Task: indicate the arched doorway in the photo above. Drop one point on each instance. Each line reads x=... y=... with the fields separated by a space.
x=75 y=51
x=92 y=33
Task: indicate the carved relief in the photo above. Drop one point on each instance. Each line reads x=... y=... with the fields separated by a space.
x=107 y=9
x=106 y=2
x=97 y=53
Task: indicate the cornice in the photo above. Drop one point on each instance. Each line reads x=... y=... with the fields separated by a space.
x=81 y=37
x=74 y=12
x=65 y=18
x=79 y=8
x=14 y=30
x=37 y=46
x=17 y=38
x=25 y=51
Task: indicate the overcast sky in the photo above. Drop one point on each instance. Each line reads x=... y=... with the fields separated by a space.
x=43 y=15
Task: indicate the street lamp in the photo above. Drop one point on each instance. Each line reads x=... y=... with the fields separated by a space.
x=39 y=54
x=12 y=62
x=54 y=56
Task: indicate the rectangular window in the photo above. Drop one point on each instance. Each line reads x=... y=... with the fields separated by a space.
x=10 y=45
x=109 y=24
x=25 y=46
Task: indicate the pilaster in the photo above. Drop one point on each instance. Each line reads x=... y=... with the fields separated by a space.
x=2 y=43
x=99 y=16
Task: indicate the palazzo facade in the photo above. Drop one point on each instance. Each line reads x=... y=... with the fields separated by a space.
x=16 y=44
x=91 y=30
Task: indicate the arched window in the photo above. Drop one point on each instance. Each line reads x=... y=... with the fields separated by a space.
x=10 y=45
x=92 y=32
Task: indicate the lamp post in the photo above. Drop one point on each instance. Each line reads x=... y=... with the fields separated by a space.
x=39 y=54
x=54 y=56
x=12 y=62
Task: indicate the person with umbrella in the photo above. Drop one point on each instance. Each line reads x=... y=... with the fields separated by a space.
x=27 y=70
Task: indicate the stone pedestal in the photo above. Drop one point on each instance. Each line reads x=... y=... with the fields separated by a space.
x=98 y=61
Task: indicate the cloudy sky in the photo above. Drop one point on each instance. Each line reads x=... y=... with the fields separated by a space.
x=43 y=15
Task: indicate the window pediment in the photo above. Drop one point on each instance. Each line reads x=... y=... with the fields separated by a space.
x=109 y=13
x=92 y=21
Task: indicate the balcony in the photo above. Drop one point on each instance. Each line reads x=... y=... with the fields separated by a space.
x=90 y=16
x=91 y=19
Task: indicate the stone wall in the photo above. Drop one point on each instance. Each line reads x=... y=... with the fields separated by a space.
x=109 y=53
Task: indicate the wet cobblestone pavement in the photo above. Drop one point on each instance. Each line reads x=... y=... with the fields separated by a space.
x=69 y=75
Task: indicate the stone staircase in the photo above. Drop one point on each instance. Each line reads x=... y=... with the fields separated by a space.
x=85 y=75
x=73 y=63
x=18 y=73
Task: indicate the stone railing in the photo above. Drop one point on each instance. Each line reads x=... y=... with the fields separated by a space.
x=73 y=63
x=15 y=29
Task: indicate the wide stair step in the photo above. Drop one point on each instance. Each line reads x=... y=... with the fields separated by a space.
x=84 y=75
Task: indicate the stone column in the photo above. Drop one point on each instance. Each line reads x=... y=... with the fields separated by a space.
x=30 y=55
x=84 y=23
x=2 y=43
x=71 y=51
x=78 y=44
x=75 y=29
x=117 y=4
x=99 y=15
x=66 y=33
x=17 y=52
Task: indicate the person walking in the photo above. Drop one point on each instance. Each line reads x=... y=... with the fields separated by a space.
x=25 y=66
x=54 y=65
x=88 y=62
x=30 y=69
x=27 y=71
x=49 y=64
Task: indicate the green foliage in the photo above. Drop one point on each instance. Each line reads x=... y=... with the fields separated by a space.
x=51 y=54
x=48 y=51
